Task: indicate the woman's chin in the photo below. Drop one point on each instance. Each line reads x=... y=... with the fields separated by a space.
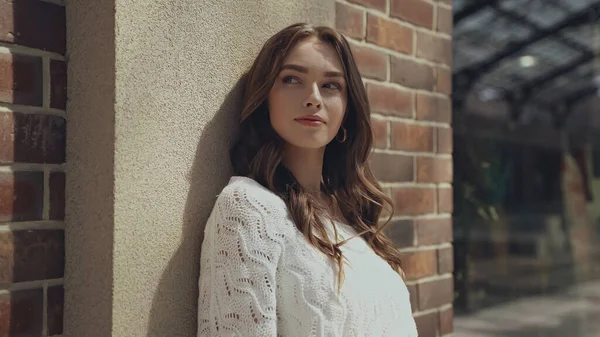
x=310 y=143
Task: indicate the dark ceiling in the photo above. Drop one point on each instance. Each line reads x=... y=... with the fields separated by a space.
x=492 y=37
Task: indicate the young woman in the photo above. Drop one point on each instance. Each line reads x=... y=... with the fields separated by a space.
x=294 y=245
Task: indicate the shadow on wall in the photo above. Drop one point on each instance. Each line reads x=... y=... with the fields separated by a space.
x=174 y=290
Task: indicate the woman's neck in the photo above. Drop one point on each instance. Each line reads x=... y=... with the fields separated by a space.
x=306 y=165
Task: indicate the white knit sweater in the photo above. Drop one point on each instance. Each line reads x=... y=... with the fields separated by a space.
x=259 y=276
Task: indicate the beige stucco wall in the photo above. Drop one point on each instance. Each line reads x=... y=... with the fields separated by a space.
x=153 y=97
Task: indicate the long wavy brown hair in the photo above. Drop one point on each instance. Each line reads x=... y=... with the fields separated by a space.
x=346 y=179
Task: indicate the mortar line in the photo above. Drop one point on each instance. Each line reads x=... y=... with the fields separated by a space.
x=45 y=82
x=46 y=197
x=7 y=48
x=31 y=225
x=30 y=285
x=26 y=109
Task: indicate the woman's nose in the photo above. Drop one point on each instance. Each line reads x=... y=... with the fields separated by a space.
x=314 y=99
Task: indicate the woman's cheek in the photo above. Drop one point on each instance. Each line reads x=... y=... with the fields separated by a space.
x=336 y=108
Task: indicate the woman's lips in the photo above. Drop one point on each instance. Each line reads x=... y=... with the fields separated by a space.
x=309 y=122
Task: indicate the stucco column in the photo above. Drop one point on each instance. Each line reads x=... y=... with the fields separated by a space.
x=153 y=98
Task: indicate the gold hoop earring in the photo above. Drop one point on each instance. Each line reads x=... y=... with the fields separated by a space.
x=345 y=135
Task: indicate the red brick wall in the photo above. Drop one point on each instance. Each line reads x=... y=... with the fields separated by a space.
x=403 y=50
x=32 y=178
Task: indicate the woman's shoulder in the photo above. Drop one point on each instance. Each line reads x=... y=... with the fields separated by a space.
x=244 y=192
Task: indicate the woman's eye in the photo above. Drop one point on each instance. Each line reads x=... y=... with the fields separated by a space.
x=333 y=86
x=290 y=79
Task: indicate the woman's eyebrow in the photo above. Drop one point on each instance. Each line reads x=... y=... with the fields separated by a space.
x=304 y=70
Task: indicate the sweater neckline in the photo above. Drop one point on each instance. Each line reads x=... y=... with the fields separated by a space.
x=340 y=225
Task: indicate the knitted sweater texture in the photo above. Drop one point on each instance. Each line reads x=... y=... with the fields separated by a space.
x=259 y=276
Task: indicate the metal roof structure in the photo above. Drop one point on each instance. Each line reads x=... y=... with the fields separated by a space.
x=544 y=53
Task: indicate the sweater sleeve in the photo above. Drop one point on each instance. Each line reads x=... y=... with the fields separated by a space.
x=239 y=259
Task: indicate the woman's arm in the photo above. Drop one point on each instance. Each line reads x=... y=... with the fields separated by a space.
x=237 y=272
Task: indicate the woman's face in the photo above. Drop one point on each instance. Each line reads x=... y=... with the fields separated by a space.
x=307 y=102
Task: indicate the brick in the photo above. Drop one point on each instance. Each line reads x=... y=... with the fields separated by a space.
x=435 y=293
x=21 y=196
x=428 y=324
x=444 y=20
x=389 y=34
x=349 y=20
x=55 y=309
x=414 y=300
x=419 y=264
x=446 y=321
x=401 y=232
x=29 y=138
x=446 y=51
x=434 y=231
x=389 y=101
x=445 y=200
x=434 y=48
x=417 y=12
x=380 y=133
x=444 y=140
x=443 y=80
x=413 y=201
x=29 y=255
x=392 y=167
x=412 y=74
x=21 y=313
x=36 y=24
x=57 y=195
x=20 y=79
x=411 y=137
x=433 y=108
x=371 y=63
x=58 y=84
x=434 y=170
x=445 y=260
x=376 y=4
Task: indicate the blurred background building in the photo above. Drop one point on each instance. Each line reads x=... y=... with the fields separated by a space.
x=526 y=124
